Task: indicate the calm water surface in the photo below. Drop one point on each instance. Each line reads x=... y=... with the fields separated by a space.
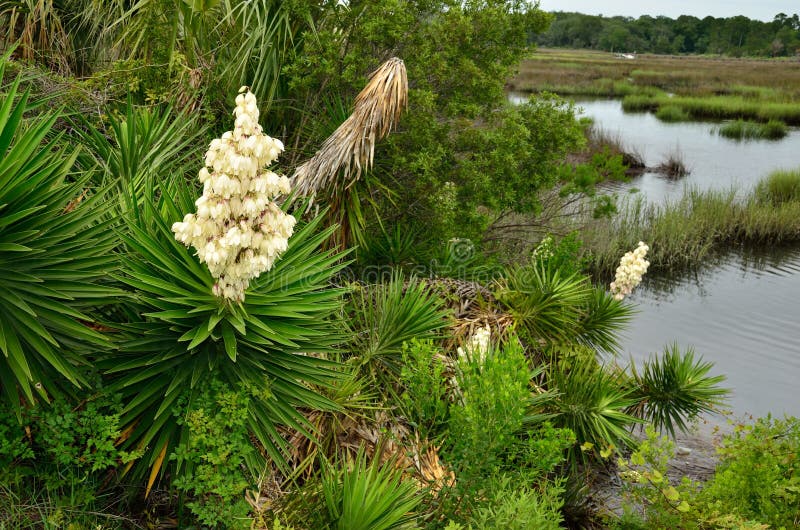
x=743 y=312
x=715 y=162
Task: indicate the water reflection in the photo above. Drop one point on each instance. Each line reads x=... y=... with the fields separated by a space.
x=742 y=313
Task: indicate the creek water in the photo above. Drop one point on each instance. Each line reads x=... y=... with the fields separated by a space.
x=741 y=312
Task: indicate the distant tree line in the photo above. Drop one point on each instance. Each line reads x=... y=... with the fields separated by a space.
x=736 y=36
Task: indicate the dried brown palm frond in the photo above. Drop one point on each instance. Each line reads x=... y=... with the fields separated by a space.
x=351 y=148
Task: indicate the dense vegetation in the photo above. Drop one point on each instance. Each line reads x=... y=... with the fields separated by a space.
x=410 y=352
x=736 y=36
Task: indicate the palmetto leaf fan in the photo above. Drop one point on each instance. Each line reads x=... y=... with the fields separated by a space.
x=179 y=336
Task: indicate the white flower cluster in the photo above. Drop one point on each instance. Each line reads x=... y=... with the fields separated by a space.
x=631 y=268
x=238 y=230
x=478 y=345
x=544 y=250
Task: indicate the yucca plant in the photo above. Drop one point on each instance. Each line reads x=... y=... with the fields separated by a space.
x=674 y=388
x=384 y=316
x=141 y=143
x=56 y=242
x=177 y=334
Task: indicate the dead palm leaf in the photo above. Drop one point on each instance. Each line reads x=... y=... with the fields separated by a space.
x=351 y=148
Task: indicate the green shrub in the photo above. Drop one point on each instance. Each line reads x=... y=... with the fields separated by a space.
x=755 y=485
x=516 y=506
x=758 y=476
x=498 y=435
x=424 y=399
x=211 y=459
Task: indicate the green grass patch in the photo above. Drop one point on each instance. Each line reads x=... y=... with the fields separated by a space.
x=779 y=187
x=749 y=130
x=672 y=113
x=639 y=103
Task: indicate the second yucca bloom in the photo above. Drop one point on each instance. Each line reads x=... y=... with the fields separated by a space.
x=632 y=267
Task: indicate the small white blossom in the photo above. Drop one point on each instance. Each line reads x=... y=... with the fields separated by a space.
x=477 y=345
x=631 y=268
x=238 y=231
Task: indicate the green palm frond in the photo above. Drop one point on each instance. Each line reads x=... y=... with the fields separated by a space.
x=179 y=334
x=551 y=307
x=56 y=243
x=674 y=388
x=591 y=402
x=368 y=496
x=384 y=316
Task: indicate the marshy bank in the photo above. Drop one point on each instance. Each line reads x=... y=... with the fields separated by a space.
x=685 y=232
x=601 y=74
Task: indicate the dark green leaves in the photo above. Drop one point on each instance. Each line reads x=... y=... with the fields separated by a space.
x=179 y=335
x=56 y=249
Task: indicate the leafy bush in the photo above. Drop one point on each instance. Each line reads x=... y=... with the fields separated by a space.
x=758 y=477
x=515 y=506
x=424 y=399
x=755 y=485
x=212 y=456
x=497 y=435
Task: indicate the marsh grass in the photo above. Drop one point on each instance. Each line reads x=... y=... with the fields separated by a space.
x=600 y=139
x=686 y=232
x=749 y=130
x=779 y=187
x=672 y=113
x=674 y=166
x=755 y=79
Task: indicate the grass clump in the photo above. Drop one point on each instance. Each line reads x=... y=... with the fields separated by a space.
x=749 y=130
x=672 y=113
x=639 y=103
x=782 y=186
x=673 y=166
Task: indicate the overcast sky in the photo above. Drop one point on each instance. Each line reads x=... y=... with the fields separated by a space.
x=757 y=9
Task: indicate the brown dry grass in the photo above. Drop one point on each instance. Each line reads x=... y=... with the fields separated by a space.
x=590 y=72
